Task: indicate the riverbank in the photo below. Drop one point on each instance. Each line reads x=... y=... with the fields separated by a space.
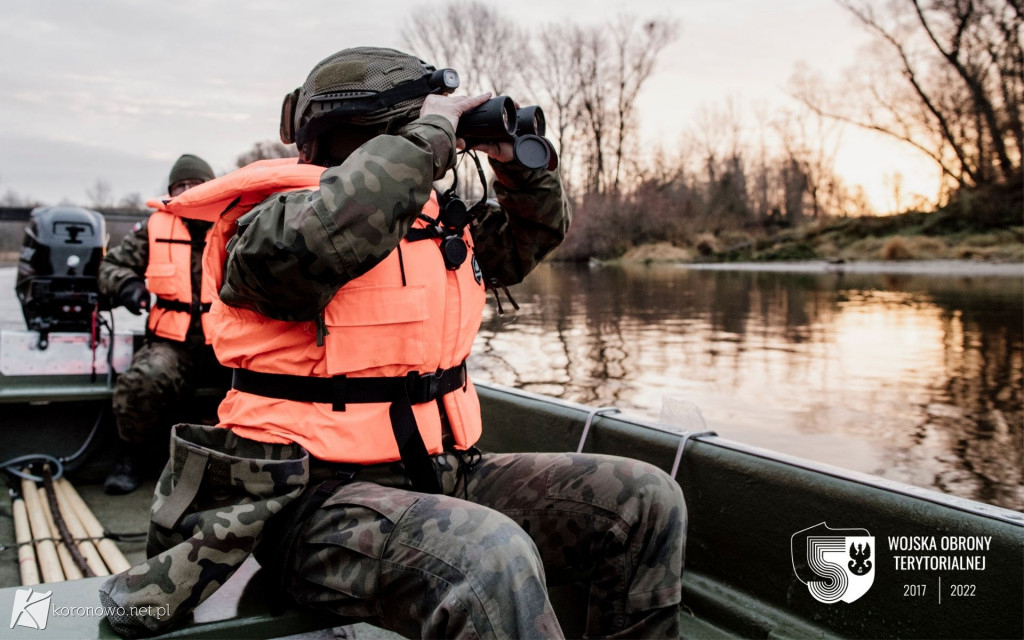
x=682 y=260
x=969 y=232
x=916 y=267
x=664 y=253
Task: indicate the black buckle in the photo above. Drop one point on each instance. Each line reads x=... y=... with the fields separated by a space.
x=199 y=308
x=339 y=389
x=421 y=388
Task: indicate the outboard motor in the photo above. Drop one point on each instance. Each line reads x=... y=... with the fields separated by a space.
x=58 y=269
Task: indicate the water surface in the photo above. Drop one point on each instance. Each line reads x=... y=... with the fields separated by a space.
x=912 y=377
x=915 y=378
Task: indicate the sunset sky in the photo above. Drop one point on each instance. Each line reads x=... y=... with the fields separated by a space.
x=117 y=89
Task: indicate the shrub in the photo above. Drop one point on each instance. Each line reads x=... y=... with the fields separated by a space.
x=706 y=244
x=896 y=249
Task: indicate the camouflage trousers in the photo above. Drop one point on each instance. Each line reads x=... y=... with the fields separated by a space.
x=476 y=562
x=146 y=393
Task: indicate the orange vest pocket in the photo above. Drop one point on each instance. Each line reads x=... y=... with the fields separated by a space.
x=160 y=279
x=377 y=326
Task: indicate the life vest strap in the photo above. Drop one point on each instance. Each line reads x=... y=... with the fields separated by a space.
x=184 y=307
x=193 y=243
x=338 y=391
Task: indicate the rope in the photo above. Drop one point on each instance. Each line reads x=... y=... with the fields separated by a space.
x=62 y=527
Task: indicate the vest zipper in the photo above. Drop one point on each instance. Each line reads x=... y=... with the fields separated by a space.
x=401 y=264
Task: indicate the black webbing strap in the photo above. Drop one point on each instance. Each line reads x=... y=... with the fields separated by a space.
x=195 y=243
x=411 y=447
x=184 y=307
x=416 y=234
x=351 y=107
x=402 y=392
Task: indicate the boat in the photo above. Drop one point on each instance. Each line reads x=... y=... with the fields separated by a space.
x=777 y=546
x=944 y=567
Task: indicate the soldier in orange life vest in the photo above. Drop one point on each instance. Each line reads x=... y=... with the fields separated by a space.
x=161 y=256
x=346 y=296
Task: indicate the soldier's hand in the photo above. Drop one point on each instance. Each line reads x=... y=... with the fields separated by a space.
x=134 y=297
x=452 y=107
x=499 y=151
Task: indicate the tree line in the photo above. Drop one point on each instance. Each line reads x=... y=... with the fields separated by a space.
x=945 y=77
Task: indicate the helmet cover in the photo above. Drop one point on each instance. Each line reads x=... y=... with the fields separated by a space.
x=354 y=73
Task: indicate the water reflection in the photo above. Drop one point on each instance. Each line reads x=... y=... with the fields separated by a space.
x=911 y=377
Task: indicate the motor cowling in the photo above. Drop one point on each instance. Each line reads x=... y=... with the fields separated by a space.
x=58 y=268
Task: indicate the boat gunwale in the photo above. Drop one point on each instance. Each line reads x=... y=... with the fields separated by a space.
x=958 y=503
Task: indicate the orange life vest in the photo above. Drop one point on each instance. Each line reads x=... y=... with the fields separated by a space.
x=408 y=314
x=169 y=277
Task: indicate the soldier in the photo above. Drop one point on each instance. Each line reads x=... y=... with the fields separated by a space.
x=346 y=300
x=162 y=256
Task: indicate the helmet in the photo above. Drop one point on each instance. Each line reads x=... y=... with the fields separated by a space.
x=364 y=86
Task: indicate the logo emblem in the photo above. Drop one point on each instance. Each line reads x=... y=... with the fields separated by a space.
x=478 y=275
x=835 y=564
x=30 y=609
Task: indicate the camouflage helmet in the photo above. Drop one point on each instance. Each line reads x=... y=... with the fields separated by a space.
x=367 y=86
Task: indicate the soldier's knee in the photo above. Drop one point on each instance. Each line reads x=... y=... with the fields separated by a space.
x=519 y=551
x=507 y=554
x=511 y=573
x=662 y=491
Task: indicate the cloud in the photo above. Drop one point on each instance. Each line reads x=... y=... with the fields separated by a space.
x=55 y=170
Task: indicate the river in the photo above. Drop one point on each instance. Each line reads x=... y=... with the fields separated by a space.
x=914 y=377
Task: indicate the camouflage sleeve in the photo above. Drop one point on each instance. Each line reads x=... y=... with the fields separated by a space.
x=532 y=219
x=127 y=261
x=295 y=250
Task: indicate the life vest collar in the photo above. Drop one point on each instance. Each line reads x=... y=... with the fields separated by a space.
x=241 y=189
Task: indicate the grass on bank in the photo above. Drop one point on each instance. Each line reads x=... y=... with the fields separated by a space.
x=983 y=227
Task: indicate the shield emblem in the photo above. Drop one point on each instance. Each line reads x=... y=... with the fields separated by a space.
x=835 y=564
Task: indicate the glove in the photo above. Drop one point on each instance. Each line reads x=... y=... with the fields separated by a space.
x=134 y=297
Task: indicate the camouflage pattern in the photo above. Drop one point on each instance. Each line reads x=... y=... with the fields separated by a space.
x=477 y=561
x=162 y=373
x=529 y=220
x=196 y=542
x=474 y=561
x=125 y=262
x=295 y=250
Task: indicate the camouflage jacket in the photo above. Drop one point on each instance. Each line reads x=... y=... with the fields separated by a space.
x=128 y=261
x=295 y=250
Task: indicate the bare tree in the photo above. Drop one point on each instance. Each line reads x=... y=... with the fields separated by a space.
x=590 y=63
x=810 y=145
x=100 y=194
x=486 y=48
x=11 y=198
x=266 y=150
x=956 y=91
x=611 y=65
x=718 y=132
x=635 y=50
x=555 y=80
x=133 y=201
x=588 y=78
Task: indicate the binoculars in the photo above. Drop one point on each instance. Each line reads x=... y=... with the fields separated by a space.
x=498 y=120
